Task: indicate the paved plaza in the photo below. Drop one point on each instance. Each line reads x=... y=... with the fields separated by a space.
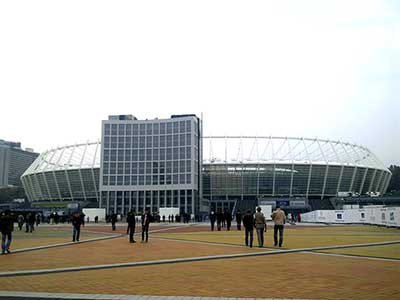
x=183 y=261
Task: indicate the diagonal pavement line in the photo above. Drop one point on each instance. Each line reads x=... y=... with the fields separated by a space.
x=209 y=243
x=183 y=260
x=66 y=244
x=353 y=256
x=113 y=236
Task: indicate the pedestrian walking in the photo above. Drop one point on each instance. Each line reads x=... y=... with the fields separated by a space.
x=114 y=218
x=239 y=220
x=248 y=223
x=76 y=226
x=131 y=220
x=212 y=220
x=279 y=218
x=30 y=222
x=146 y=218
x=261 y=226
x=220 y=218
x=228 y=219
x=6 y=228
x=20 y=222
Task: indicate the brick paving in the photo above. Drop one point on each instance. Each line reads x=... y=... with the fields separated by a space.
x=39 y=296
x=118 y=250
x=286 y=276
x=291 y=275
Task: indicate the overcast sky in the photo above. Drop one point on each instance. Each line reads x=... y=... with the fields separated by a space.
x=328 y=69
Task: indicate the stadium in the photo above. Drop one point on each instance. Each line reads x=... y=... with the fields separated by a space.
x=237 y=171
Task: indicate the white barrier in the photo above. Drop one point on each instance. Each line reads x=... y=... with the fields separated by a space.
x=91 y=213
x=384 y=216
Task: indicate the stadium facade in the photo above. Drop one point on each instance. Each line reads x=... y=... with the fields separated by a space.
x=235 y=171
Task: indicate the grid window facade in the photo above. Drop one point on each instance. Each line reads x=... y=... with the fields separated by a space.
x=151 y=155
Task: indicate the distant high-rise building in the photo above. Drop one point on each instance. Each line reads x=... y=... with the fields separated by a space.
x=13 y=162
x=150 y=163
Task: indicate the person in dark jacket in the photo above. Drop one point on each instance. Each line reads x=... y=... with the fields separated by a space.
x=248 y=223
x=228 y=219
x=220 y=219
x=30 y=222
x=131 y=220
x=212 y=220
x=146 y=218
x=239 y=220
x=6 y=228
x=113 y=218
x=76 y=226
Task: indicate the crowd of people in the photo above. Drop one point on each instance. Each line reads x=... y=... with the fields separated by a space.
x=250 y=222
x=222 y=219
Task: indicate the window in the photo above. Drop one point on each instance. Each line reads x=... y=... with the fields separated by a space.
x=141 y=154
x=155 y=154
x=148 y=154
x=188 y=126
x=113 y=142
x=113 y=168
x=142 y=142
x=162 y=140
x=113 y=155
x=169 y=166
x=135 y=155
x=128 y=129
x=141 y=179
x=162 y=154
x=176 y=153
x=107 y=129
x=169 y=127
x=135 y=129
x=169 y=153
x=106 y=155
x=149 y=129
x=156 y=128
x=149 y=142
x=127 y=168
x=121 y=142
x=114 y=129
x=106 y=142
x=142 y=129
x=120 y=155
x=134 y=168
x=155 y=141
x=182 y=153
x=176 y=127
x=121 y=129
x=162 y=128
x=128 y=155
x=169 y=140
